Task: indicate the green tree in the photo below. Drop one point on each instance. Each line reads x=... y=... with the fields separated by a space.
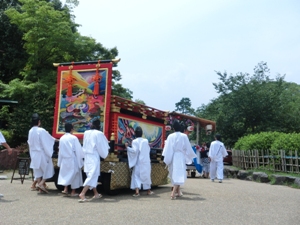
x=12 y=55
x=119 y=90
x=140 y=101
x=247 y=103
x=49 y=35
x=289 y=110
x=184 y=106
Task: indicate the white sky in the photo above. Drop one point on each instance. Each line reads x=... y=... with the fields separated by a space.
x=170 y=49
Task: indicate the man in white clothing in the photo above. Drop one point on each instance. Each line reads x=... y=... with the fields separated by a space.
x=70 y=161
x=3 y=142
x=139 y=159
x=216 y=154
x=95 y=145
x=177 y=153
x=41 y=149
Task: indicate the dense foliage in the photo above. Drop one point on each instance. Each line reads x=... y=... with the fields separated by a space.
x=37 y=34
x=271 y=141
x=184 y=106
x=250 y=104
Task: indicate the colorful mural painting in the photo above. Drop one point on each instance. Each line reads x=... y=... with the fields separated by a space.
x=77 y=102
x=152 y=132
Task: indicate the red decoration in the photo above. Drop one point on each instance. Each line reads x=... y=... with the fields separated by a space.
x=97 y=79
x=69 y=80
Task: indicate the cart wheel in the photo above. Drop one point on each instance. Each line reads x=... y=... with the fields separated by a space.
x=58 y=186
x=106 y=184
x=193 y=174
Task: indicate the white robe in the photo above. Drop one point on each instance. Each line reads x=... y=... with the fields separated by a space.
x=41 y=149
x=217 y=152
x=2 y=139
x=177 y=153
x=95 y=145
x=70 y=161
x=139 y=159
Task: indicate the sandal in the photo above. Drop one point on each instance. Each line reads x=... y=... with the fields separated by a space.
x=173 y=197
x=64 y=192
x=179 y=195
x=42 y=188
x=82 y=200
x=74 y=195
x=136 y=195
x=97 y=196
x=150 y=193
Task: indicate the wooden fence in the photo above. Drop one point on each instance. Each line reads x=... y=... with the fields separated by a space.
x=284 y=161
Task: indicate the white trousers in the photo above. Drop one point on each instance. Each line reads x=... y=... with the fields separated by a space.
x=216 y=168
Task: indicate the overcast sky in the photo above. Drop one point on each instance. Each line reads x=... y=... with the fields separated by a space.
x=171 y=49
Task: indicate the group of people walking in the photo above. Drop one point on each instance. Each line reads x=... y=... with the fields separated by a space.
x=72 y=157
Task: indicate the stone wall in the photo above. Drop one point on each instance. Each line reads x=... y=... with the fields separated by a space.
x=262 y=177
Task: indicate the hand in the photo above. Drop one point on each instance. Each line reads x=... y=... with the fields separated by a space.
x=9 y=151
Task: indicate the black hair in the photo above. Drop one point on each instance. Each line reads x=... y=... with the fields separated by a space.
x=177 y=126
x=183 y=127
x=138 y=132
x=35 y=119
x=68 y=127
x=96 y=124
x=208 y=145
x=218 y=137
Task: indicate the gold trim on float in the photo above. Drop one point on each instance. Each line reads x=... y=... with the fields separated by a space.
x=112 y=60
x=116 y=60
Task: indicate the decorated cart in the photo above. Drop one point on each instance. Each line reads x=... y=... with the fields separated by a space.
x=83 y=95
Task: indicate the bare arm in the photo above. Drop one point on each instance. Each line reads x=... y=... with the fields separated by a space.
x=7 y=147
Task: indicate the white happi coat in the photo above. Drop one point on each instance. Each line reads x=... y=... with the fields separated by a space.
x=2 y=139
x=177 y=153
x=70 y=161
x=217 y=151
x=95 y=145
x=41 y=149
x=139 y=159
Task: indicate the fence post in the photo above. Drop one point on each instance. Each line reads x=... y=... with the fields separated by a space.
x=291 y=162
x=297 y=161
x=256 y=159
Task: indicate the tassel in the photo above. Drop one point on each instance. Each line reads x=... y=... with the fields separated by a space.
x=69 y=81
x=97 y=79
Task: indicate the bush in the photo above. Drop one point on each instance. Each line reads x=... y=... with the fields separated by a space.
x=287 y=142
x=273 y=141
x=260 y=141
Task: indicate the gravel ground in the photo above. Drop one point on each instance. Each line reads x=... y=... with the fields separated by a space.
x=204 y=202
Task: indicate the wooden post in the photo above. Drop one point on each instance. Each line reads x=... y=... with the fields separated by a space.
x=291 y=162
x=297 y=161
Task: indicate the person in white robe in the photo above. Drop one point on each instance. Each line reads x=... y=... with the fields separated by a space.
x=70 y=161
x=216 y=154
x=3 y=142
x=95 y=145
x=177 y=153
x=41 y=149
x=139 y=160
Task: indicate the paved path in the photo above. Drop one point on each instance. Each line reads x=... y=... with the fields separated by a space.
x=232 y=202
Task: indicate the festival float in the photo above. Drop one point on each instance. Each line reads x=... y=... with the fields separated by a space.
x=84 y=95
